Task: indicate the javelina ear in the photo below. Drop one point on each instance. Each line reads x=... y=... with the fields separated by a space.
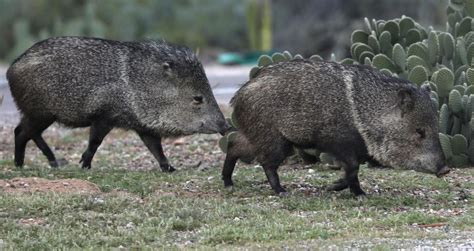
x=426 y=88
x=167 y=68
x=406 y=100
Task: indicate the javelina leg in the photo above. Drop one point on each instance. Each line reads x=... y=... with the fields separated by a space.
x=21 y=138
x=97 y=134
x=27 y=130
x=39 y=141
x=228 y=169
x=272 y=176
x=153 y=143
x=350 y=180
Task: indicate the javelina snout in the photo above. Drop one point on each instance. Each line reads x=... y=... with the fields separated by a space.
x=443 y=171
x=212 y=120
x=219 y=126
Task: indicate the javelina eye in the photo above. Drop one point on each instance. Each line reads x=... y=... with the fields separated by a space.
x=197 y=100
x=421 y=133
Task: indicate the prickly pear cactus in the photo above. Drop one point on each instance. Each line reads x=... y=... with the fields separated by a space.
x=441 y=59
x=444 y=60
x=277 y=57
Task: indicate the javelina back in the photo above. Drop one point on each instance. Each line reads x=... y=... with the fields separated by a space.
x=353 y=112
x=154 y=88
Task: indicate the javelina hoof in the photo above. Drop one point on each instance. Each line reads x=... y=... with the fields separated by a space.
x=342 y=184
x=57 y=163
x=84 y=164
x=228 y=183
x=280 y=191
x=168 y=168
x=19 y=164
x=357 y=191
x=339 y=185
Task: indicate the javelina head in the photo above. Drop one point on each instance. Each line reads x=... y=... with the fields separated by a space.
x=404 y=131
x=174 y=93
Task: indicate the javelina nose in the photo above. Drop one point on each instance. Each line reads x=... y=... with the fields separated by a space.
x=224 y=127
x=443 y=171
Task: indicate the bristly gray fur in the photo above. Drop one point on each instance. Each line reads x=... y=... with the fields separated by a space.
x=351 y=111
x=77 y=80
x=154 y=88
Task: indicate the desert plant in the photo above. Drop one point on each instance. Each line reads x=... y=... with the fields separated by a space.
x=441 y=59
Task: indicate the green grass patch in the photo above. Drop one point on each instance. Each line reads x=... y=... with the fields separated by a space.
x=191 y=209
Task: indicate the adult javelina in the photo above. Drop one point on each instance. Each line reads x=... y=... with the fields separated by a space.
x=351 y=111
x=154 y=88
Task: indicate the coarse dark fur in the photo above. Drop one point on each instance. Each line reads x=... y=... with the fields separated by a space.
x=154 y=88
x=354 y=112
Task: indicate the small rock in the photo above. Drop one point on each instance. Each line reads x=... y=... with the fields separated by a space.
x=311 y=171
x=130 y=225
x=98 y=201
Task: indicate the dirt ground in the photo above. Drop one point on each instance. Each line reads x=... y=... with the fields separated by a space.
x=35 y=184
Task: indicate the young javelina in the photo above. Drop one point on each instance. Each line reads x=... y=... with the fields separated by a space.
x=354 y=112
x=154 y=88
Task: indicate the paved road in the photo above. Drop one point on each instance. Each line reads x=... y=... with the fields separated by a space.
x=225 y=80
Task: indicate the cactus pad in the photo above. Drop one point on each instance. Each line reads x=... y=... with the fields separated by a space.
x=394 y=29
x=413 y=36
x=359 y=36
x=444 y=81
x=223 y=144
x=278 y=57
x=418 y=75
x=348 y=61
x=455 y=102
x=446 y=146
x=287 y=55
x=417 y=49
x=413 y=61
x=460 y=160
x=459 y=144
x=380 y=61
x=298 y=56
x=365 y=54
x=433 y=47
x=406 y=24
x=316 y=58
x=399 y=56
x=444 y=119
x=264 y=60
x=374 y=43
x=253 y=72
x=464 y=27
x=449 y=46
x=385 y=41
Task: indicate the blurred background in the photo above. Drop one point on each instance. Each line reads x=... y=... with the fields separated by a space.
x=213 y=26
x=230 y=35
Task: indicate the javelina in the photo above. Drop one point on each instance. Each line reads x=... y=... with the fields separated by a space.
x=354 y=112
x=154 y=88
